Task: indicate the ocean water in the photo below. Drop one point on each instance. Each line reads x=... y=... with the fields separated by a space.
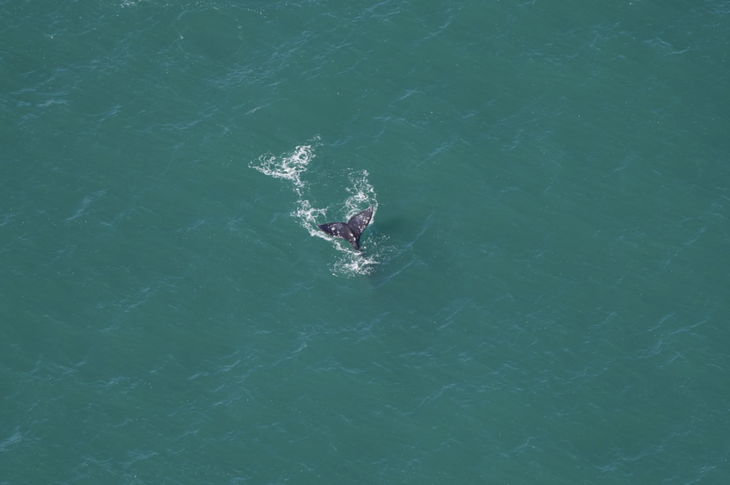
x=544 y=291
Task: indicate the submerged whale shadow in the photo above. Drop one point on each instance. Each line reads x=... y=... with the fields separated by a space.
x=402 y=256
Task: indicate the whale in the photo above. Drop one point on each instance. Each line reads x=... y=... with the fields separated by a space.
x=351 y=230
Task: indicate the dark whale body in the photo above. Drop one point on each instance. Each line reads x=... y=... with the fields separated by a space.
x=351 y=230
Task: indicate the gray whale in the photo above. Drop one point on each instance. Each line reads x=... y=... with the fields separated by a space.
x=351 y=230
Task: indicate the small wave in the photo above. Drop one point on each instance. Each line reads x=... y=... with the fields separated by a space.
x=8 y=442
x=84 y=204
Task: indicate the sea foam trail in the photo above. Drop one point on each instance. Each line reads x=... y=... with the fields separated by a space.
x=288 y=168
x=292 y=168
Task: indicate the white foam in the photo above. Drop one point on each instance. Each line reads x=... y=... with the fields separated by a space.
x=288 y=168
x=362 y=192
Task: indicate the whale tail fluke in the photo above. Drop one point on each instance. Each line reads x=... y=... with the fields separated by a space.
x=351 y=230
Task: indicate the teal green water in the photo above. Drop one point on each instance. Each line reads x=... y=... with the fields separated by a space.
x=544 y=292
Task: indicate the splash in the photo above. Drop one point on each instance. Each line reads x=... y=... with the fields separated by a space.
x=288 y=168
x=293 y=168
x=362 y=192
